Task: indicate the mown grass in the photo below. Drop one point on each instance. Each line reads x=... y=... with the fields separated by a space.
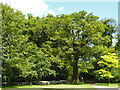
x=75 y=85
x=114 y=85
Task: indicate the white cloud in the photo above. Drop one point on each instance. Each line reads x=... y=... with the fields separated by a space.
x=36 y=7
x=61 y=9
x=51 y=12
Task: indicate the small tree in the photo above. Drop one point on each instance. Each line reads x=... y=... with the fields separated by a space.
x=107 y=63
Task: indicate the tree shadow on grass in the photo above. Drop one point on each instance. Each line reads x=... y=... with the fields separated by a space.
x=50 y=89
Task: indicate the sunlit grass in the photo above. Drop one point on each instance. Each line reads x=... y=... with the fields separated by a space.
x=114 y=85
x=76 y=85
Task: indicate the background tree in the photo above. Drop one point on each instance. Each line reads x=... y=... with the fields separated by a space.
x=107 y=63
x=22 y=59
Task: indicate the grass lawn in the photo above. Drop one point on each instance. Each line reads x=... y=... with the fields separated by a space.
x=114 y=85
x=77 y=85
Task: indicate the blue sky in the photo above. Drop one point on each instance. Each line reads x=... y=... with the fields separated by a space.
x=101 y=9
x=43 y=7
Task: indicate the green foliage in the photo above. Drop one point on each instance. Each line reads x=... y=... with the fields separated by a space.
x=21 y=57
x=108 y=63
x=35 y=48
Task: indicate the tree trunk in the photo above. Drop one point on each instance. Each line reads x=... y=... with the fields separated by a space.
x=109 y=81
x=75 y=70
x=75 y=62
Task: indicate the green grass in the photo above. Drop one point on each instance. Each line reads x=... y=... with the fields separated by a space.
x=114 y=85
x=76 y=85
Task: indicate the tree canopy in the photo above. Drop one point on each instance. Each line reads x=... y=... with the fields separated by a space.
x=37 y=48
